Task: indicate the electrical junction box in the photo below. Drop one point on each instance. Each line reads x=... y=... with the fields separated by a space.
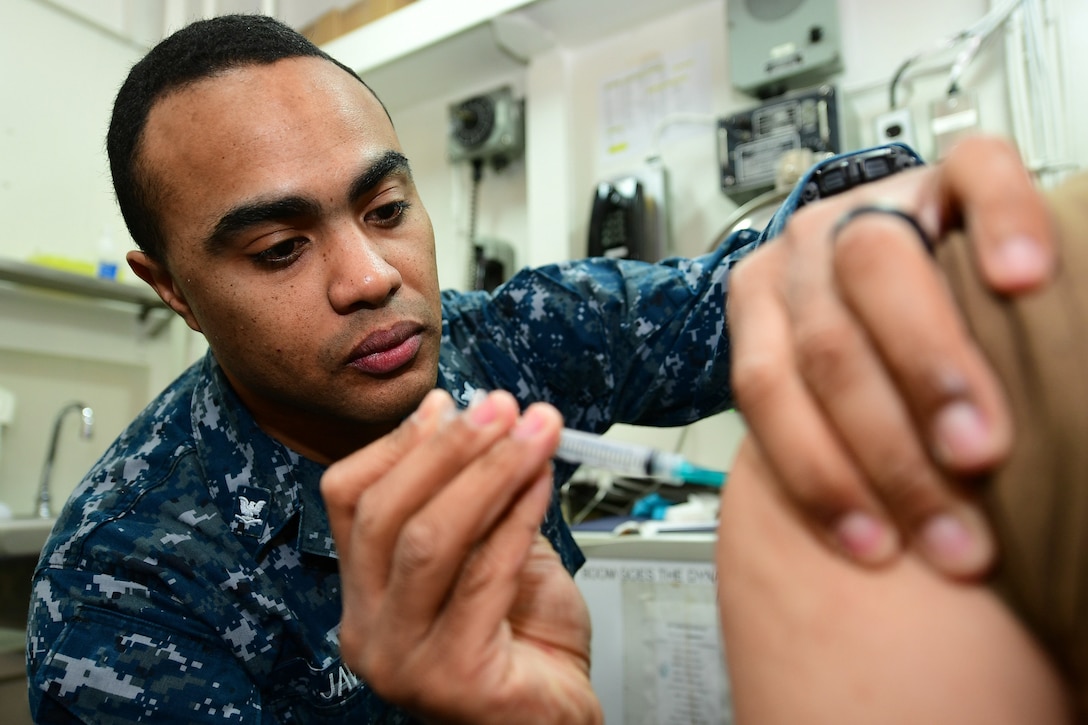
x=954 y=118
x=490 y=127
x=751 y=143
x=896 y=126
x=780 y=45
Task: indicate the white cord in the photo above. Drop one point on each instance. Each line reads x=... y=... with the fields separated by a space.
x=674 y=119
x=977 y=34
x=1039 y=115
x=974 y=35
x=1018 y=103
x=603 y=487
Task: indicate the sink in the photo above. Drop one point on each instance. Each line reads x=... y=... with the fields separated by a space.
x=24 y=537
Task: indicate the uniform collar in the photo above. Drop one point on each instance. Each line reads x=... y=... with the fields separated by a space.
x=261 y=485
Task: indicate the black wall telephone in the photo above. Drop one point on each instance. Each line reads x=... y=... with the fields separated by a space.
x=617 y=224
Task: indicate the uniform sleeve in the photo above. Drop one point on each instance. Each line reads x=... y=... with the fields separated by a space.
x=609 y=341
x=91 y=660
x=616 y=341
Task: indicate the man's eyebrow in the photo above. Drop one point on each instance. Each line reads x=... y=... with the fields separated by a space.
x=249 y=215
x=244 y=216
x=391 y=162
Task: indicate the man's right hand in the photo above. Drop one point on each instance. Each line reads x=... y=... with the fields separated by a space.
x=454 y=606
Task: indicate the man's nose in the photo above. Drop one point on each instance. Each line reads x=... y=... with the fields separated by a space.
x=358 y=273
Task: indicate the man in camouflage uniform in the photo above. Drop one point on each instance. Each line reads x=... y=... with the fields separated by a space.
x=192 y=575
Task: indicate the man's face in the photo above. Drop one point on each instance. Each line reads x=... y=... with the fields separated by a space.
x=297 y=244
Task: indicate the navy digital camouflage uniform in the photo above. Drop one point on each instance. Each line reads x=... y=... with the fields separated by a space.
x=192 y=577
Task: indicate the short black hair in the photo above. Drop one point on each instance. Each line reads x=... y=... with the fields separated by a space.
x=198 y=51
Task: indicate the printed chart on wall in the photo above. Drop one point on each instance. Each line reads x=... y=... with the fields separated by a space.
x=657 y=650
x=640 y=103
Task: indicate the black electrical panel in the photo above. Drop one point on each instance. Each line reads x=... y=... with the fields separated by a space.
x=750 y=143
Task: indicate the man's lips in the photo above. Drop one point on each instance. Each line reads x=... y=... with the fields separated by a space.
x=385 y=351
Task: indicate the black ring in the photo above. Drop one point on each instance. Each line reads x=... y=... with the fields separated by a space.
x=882 y=209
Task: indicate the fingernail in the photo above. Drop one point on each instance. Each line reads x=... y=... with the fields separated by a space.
x=864 y=538
x=957 y=542
x=481 y=409
x=528 y=425
x=962 y=436
x=1022 y=258
x=434 y=402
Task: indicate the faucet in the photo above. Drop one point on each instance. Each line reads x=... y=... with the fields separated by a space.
x=44 y=509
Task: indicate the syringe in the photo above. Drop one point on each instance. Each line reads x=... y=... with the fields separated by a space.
x=632 y=459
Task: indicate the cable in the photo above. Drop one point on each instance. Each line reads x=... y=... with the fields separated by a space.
x=578 y=518
x=974 y=35
x=673 y=119
x=681 y=439
x=941 y=45
x=963 y=59
x=1039 y=120
x=475 y=251
x=978 y=34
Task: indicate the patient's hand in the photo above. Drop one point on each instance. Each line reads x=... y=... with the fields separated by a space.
x=855 y=373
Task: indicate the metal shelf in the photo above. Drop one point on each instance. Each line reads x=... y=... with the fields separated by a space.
x=34 y=275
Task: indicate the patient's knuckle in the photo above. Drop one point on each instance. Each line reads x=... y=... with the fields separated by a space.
x=908 y=487
x=824 y=352
x=862 y=245
x=755 y=378
x=824 y=493
x=932 y=380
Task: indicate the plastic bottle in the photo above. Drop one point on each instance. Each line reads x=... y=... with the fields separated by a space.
x=107 y=257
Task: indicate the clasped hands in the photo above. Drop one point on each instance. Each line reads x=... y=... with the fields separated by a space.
x=858 y=382
x=853 y=368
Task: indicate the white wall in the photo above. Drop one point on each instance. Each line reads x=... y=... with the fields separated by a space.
x=58 y=84
x=60 y=76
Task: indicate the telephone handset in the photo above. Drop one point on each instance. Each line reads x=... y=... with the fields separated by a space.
x=617 y=224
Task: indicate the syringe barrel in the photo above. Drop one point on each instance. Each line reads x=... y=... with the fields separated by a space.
x=665 y=465
x=592 y=450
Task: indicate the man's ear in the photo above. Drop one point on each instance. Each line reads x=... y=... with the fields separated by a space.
x=158 y=277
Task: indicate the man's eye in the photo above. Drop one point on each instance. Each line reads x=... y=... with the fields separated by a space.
x=388 y=215
x=281 y=254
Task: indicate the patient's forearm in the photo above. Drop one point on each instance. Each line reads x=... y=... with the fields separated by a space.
x=812 y=638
